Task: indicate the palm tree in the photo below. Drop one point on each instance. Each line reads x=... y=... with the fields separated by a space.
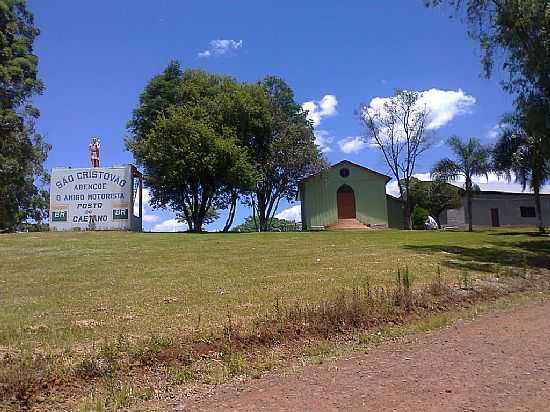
x=472 y=159
x=521 y=153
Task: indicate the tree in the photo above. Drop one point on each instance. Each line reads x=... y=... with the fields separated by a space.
x=518 y=30
x=283 y=154
x=435 y=197
x=22 y=150
x=210 y=216
x=276 y=225
x=472 y=159
x=212 y=107
x=188 y=164
x=251 y=117
x=398 y=127
x=520 y=151
x=515 y=32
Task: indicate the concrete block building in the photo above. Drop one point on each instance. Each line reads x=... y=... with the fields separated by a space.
x=495 y=209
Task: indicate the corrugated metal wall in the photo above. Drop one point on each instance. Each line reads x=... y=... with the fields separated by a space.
x=319 y=206
x=395 y=213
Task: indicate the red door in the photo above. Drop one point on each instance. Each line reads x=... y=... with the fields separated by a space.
x=346 y=203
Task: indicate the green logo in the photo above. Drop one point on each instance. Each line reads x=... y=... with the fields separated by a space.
x=120 y=214
x=59 y=216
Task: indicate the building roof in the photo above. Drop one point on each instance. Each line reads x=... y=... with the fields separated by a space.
x=388 y=178
x=496 y=192
x=462 y=191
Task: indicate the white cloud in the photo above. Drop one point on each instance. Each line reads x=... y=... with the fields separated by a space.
x=323 y=139
x=317 y=110
x=393 y=189
x=146 y=196
x=294 y=214
x=170 y=225
x=443 y=106
x=148 y=216
x=353 y=144
x=494 y=182
x=221 y=47
x=495 y=131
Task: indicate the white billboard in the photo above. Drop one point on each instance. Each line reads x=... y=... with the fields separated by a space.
x=105 y=198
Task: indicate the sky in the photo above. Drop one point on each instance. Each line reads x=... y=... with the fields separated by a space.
x=97 y=57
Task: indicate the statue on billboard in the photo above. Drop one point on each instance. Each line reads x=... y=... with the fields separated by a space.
x=94 y=152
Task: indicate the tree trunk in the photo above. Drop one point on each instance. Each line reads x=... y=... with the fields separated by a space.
x=407 y=220
x=539 y=210
x=263 y=219
x=198 y=214
x=272 y=215
x=231 y=213
x=436 y=217
x=254 y=213
x=469 y=205
x=197 y=223
x=407 y=217
x=264 y=222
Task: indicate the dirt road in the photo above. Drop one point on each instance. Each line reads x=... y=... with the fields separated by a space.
x=499 y=362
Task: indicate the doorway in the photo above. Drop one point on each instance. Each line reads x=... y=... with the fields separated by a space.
x=346 y=203
x=495 y=218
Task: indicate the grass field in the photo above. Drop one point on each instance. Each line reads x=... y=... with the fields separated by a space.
x=69 y=292
x=64 y=289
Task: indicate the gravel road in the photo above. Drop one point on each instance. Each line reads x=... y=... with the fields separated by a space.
x=498 y=362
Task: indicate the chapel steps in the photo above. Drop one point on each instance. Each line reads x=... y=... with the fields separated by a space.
x=349 y=224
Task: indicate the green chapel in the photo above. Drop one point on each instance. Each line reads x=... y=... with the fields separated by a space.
x=348 y=196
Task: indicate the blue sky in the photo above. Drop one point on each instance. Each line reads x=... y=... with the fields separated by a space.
x=96 y=57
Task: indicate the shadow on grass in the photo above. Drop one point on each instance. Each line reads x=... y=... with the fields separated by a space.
x=532 y=254
x=530 y=234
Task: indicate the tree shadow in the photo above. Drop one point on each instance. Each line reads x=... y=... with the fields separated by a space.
x=530 y=234
x=532 y=254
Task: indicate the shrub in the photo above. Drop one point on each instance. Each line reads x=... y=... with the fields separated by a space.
x=419 y=217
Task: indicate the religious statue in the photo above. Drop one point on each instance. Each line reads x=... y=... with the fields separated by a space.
x=94 y=152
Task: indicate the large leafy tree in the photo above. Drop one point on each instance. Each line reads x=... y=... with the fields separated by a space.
x=516 y=33
x=520 y=152
x=283 y=153
x=472 y=159
x=250 y=115
x=434 y=197
x=188 y=164
x=187 y=133
x=22 y=150
x=399 y=128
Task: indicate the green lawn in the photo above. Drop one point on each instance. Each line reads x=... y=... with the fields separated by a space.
x=71 y=290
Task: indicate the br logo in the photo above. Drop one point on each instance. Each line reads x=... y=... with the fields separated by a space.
x=59 y=215
x=120 y=214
